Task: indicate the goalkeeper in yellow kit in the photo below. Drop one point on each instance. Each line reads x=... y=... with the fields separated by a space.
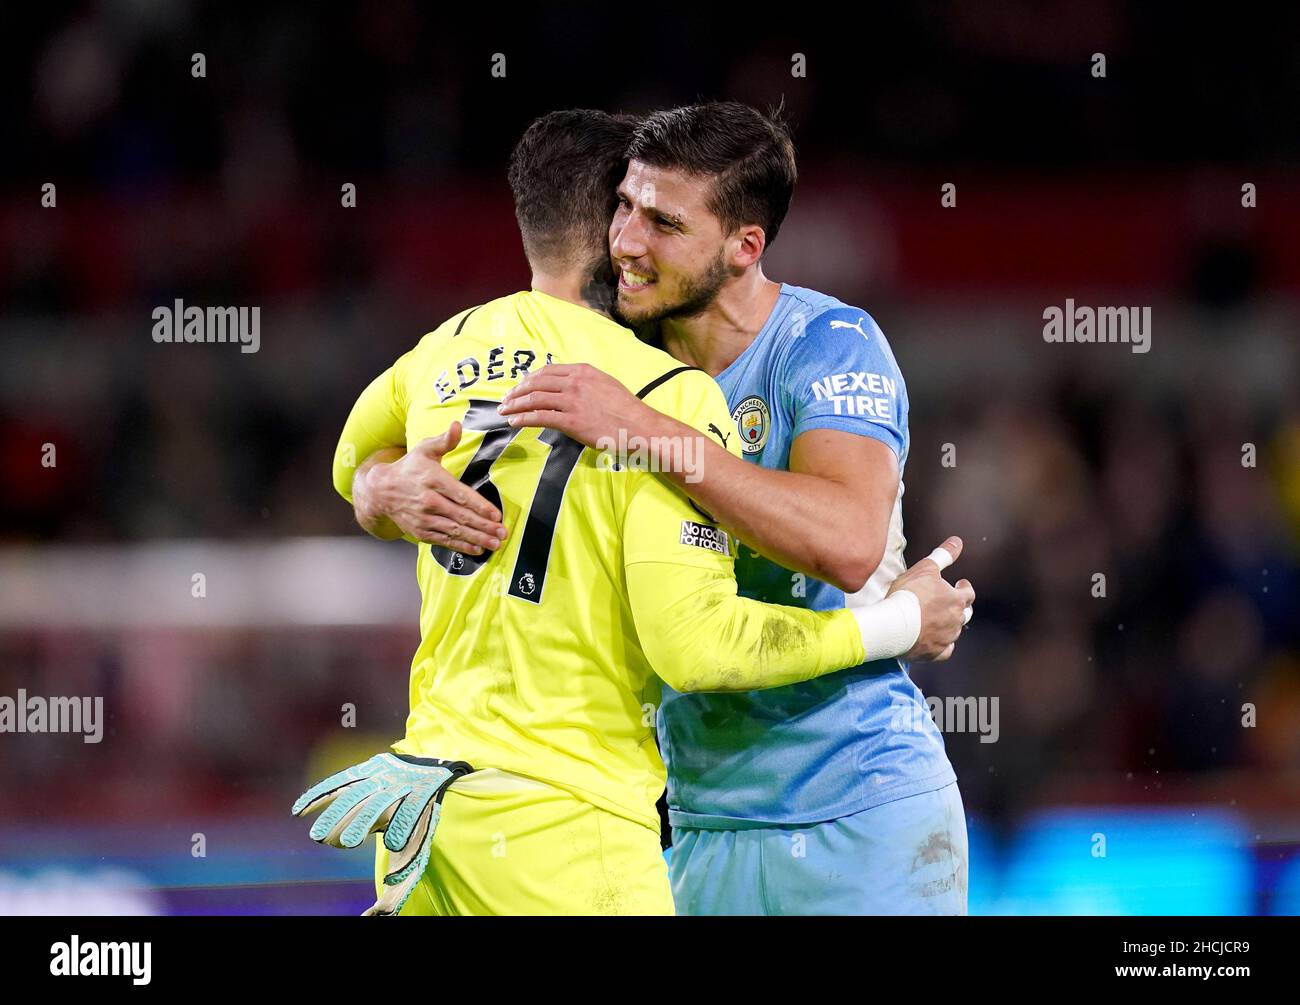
x=541 y=654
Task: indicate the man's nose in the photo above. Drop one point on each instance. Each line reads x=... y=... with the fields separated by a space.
x=629 y=241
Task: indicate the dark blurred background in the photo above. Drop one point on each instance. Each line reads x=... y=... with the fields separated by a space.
x=1120 y=715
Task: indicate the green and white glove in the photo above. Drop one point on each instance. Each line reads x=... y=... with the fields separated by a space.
x=398 y=794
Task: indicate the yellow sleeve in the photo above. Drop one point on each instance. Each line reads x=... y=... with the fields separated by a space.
x=697 y=633
x=377 y=420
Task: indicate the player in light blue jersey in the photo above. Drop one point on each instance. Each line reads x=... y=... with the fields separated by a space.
x=836 y=795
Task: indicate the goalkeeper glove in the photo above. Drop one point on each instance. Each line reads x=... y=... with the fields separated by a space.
x=398 y=794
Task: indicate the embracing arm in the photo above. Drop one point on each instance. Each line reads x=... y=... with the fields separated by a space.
x=700 y=635
x=828 y=516
x=704 y=629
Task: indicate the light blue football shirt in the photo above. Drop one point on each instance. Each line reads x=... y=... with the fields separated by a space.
x=849 y=740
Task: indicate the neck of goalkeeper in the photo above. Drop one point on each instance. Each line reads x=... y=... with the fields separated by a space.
x=590 y=286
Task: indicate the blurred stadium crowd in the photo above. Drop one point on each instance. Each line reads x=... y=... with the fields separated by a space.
x=1055 y=462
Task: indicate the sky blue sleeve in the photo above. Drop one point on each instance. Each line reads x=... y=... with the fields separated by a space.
x=842 y=375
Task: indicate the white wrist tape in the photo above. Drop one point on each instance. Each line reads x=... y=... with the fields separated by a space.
x=891 y=627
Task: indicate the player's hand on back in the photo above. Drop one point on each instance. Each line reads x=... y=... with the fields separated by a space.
x=945 y=608
x=429 y=503
x=580 y=401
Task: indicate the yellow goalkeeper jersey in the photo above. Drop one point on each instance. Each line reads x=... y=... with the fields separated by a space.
x=545 y=658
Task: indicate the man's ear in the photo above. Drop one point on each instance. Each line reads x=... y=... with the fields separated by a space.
x=748 y=244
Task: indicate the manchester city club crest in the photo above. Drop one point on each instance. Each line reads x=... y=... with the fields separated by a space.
x=753 y=420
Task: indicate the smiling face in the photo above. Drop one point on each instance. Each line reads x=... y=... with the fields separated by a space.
x=669 y=250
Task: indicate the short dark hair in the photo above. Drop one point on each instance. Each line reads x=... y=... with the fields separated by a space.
x=564 y=173
x=749 y=154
